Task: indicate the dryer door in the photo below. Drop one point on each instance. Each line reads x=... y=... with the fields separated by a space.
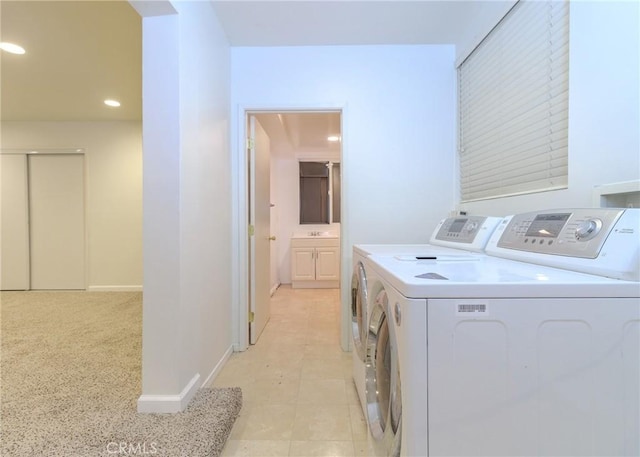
x=383 y=387
x=359 y=304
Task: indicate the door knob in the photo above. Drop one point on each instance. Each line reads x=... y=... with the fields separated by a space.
x=272 y=238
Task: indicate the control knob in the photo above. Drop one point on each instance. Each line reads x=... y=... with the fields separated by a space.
x=588 y=229
x=471 y=227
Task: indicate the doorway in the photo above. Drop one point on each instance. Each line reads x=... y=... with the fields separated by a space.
x=292 y=137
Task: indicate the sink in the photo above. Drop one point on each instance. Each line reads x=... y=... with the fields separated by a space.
x=316 y=234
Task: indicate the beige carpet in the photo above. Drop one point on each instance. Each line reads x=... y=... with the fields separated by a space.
x=70 y=378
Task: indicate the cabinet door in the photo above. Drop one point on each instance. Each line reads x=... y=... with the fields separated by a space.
x=303 y=266
x=327 y=264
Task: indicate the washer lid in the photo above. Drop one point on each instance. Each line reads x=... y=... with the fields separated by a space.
x=494 y=277
x=365 y=250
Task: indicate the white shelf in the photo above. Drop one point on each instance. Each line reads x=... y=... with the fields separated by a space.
x=617 y=195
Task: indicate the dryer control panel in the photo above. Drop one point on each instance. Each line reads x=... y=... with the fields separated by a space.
x=465 y=232
x=592 y=240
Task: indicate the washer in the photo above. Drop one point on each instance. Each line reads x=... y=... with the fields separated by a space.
x=531 y=350
x=458 y=236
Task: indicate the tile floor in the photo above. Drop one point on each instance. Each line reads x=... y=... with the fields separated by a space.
x=299 y=395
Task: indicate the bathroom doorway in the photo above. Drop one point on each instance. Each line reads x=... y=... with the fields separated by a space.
x=293 y=136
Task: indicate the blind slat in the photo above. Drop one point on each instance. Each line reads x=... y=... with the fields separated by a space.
x=547 y=115
x=533 y=163
x=513 y=105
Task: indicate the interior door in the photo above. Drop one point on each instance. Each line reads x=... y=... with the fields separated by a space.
x=14 y=223
x=56 y=208
x=259 y=218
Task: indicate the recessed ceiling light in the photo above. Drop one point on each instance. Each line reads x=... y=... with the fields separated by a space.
x=12 y=48
x=113 y=103
x=333 y=138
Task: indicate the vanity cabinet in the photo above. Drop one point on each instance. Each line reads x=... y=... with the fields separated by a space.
x=315 y=262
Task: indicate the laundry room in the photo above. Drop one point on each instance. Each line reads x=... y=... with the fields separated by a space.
x=400 y=183
x=168 y=197
x=407 y=157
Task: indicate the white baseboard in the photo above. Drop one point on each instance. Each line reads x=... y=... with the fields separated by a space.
x=239 y=348
x=114 y=289
x=169 y=403
x=218 y=368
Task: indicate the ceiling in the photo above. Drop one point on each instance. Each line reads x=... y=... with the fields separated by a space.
x=355 y=22
x=80 y=53
x=302 y=134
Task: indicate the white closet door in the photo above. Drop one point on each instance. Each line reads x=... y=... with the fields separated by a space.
x=14 y=223
x=56 y=200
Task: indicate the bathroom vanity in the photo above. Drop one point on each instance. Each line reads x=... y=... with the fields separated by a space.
x=315 y=260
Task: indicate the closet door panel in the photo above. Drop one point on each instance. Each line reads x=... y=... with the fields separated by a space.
x=56 y=201
x=14 y=223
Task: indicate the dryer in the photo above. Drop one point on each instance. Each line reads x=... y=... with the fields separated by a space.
x=394 y=371
x=501 y=356
x=459 y=236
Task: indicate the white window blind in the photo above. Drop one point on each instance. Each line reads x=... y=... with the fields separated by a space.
x=513 y=104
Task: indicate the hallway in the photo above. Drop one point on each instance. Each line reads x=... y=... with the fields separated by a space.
x=299 y=396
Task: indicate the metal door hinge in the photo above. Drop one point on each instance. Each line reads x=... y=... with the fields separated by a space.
x=252 y=316
x=250 y=143
x=252 y=230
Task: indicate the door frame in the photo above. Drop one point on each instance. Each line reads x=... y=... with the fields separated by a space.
x=240 y=218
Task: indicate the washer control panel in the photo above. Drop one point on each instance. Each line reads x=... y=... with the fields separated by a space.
x=575 y=233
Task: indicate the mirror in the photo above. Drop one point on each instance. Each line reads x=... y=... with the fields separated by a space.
x=319 y=192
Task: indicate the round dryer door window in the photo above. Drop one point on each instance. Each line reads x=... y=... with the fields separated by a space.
x=358 y=310
x=383 y=388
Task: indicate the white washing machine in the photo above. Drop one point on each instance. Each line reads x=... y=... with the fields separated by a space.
x=458 y=236
x=499 y=356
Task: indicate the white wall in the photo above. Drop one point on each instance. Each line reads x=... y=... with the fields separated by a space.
x=398 y=120
x=604 y=104
x=274 y=220
x=398 y=128
x=113 y=176
x=284 y=182
x=187 y=213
